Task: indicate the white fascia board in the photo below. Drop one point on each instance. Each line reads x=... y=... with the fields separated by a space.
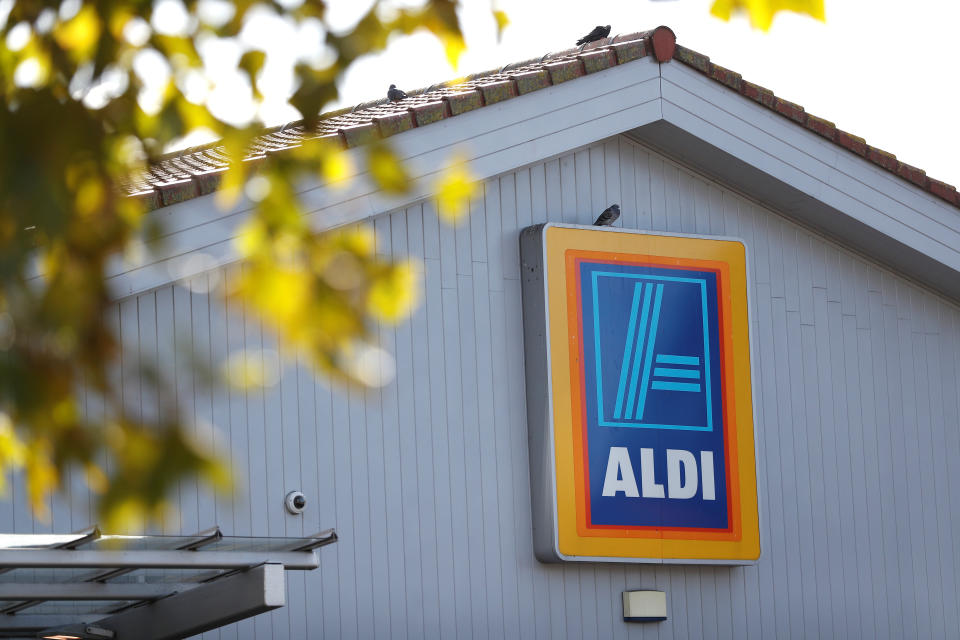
x=492 y=140
x=806 y=162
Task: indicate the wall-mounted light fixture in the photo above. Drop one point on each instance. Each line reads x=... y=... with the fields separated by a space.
x=644 y=606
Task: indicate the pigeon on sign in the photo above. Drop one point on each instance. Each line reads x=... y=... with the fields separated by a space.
x=608 y=217
x=598 y=33
x=394 y=94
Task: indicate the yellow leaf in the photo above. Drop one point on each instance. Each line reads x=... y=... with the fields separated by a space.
x=42 y=476
x=217 y=474
x=96 y=478
x=394 y=294
x=80 y=34
x=252 y=239
x=387 y=169
x=361 y=240
x=90 y=197
x=126 y=515
x=12 y=450
x=253 y=369
x=762 y=12
x=194 y=116
x=454 y=190
x=231 y=187
x=343 y=271
x=336 y=167
x=453 y=46
x=118 y=20
x=502 y=21
x=281 y=293
x=235 y=145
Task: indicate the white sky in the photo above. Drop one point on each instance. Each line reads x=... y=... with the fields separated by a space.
x=881 y=69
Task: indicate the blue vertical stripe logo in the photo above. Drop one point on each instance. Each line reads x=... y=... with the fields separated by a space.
x=661 y=365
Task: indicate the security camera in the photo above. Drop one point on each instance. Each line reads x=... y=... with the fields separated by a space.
x=295 y=502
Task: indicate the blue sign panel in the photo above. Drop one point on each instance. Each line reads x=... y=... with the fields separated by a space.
x=653 y=396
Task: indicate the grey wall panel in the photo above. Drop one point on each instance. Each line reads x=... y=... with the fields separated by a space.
x=427 y=482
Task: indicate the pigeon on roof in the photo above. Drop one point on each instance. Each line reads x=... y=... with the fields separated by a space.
x=394 y=94
x=598 y=33
x=608 y=217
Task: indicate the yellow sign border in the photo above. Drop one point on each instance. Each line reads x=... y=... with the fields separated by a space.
x=570 y=544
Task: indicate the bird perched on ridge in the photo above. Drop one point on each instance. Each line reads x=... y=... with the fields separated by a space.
x=598 y=33
x=608 y=217
x=394 y=94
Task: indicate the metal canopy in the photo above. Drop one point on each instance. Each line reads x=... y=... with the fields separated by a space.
x=56 y=584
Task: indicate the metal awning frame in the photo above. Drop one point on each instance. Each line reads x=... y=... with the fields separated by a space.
x=249 y=569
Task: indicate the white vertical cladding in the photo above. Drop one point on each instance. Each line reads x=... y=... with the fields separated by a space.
x=427 y=479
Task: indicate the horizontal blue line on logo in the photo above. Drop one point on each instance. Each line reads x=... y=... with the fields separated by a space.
x=645 y=425
x=676 y=373
x=675 y=386
x=640 y=276
x=663 y=358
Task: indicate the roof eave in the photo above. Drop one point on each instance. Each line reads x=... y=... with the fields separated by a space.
x=697 y=112
x=796 y=171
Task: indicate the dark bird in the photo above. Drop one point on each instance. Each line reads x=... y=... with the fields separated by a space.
x=598 y=33
x=394 y=94
x=608 y=217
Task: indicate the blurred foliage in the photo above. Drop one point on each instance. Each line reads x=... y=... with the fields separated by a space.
x=762 y=12
x=92 y=92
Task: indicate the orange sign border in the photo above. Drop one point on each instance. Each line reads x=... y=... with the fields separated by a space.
x=576 y=538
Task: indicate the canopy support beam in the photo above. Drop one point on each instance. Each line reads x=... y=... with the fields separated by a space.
x=203 y=608
x=147 y=559
x=89 y=591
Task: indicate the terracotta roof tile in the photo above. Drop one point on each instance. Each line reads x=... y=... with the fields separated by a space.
x=756 y=92
x=199 y=171
x=598 y=60
x=565 y=70
x=851 y=142
x=463 y=101
x=690 y=57
x=943 y=190
x=793 y=111
x=208 y=181
x=725 y=76
x=629 y=51
x=530 y=81
x=498 y=91
x=824 y=127
x=178 y=191
x=886 y=160
x=360 y=134
x=394 y=123
x=428 y=112
x=913 y=174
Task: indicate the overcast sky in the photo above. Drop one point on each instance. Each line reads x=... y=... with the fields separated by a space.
x=884 y=70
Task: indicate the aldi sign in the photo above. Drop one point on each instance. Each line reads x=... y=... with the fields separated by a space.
x=639 y=396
